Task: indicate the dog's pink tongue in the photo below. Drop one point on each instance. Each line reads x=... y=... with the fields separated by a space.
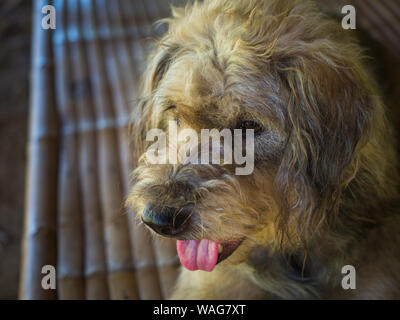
x=198 y=254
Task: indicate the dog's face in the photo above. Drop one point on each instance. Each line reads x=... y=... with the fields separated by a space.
x=289 y=76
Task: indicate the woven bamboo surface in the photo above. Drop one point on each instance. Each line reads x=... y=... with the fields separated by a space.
x=84 y=83
x=84 y=80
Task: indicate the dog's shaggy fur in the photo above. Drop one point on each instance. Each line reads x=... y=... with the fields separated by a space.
x=324 y=190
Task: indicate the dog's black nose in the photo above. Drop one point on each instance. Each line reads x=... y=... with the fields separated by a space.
x=167 y=221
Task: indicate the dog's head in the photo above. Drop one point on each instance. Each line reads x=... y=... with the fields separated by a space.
x=295 y=80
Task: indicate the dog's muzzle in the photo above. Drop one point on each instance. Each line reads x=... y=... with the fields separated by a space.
x=167 y=221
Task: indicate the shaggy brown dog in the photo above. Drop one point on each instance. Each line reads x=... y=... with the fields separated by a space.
x=324 y=187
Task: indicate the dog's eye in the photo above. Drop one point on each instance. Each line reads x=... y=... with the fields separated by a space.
x=170 y=108
x=249 y=124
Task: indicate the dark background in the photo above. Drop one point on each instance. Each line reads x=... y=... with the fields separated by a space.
x=15 y=32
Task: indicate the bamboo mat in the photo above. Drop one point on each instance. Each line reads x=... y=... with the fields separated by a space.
x=83 y=88
x=84 y=79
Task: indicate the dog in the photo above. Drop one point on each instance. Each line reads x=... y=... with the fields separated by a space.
x=322 y=200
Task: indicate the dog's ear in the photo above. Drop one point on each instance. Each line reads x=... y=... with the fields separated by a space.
x=328 y=115
x=144 y=117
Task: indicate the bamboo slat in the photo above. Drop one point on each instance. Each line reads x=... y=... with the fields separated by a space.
x=95 y=260
x=394 y=7
x=372 y=22
x=114 y=74
x=69 y=227
x=39 y=236
x=123 y=75
x=119 y=260
x=167 y=264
